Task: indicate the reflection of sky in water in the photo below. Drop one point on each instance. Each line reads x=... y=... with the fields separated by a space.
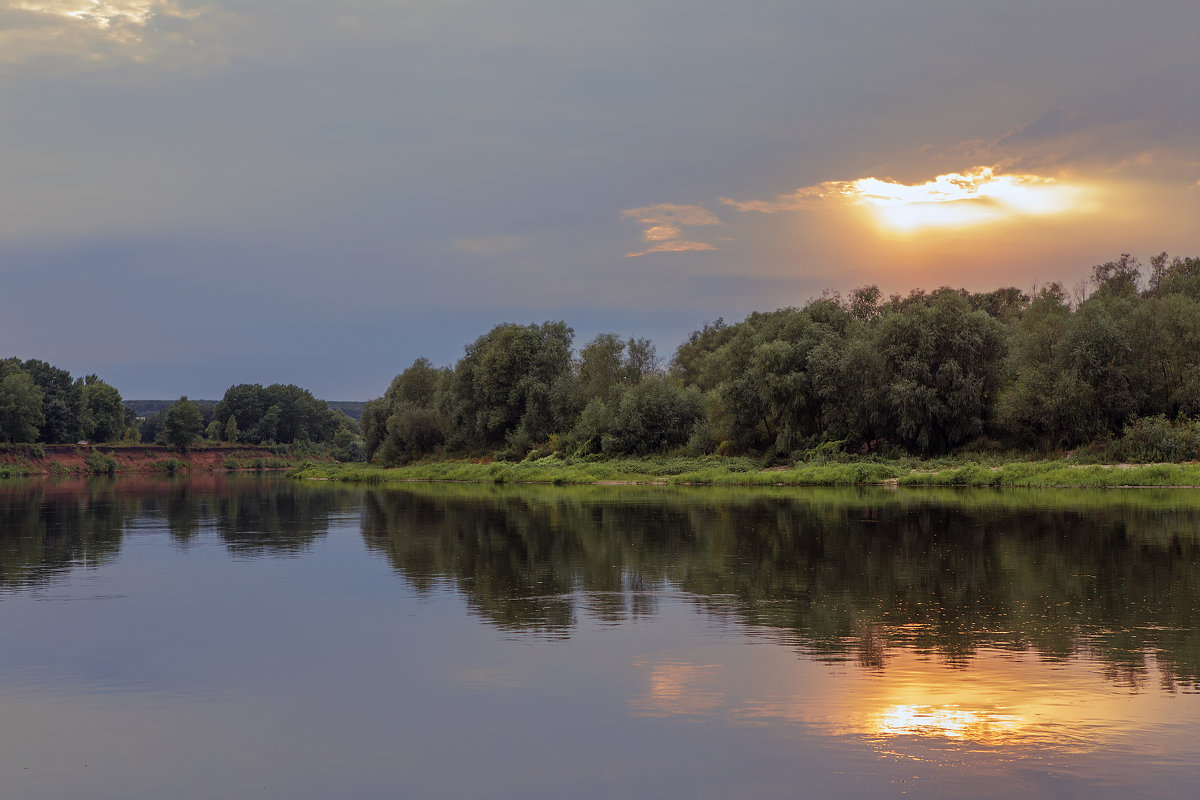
x=199 y=668
x=1001 y=700
x=1046 y=727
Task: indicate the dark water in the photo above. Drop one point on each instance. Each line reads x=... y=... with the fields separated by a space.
x=248 y=638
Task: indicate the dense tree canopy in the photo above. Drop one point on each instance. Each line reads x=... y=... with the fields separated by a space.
x=68 y=409
x=276 y=414
x=921 y=373
x=20 y=406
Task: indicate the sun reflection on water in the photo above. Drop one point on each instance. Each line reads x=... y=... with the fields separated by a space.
x=1000 y=702
x=985 y=726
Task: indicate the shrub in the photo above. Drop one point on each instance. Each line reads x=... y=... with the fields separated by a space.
x=171 y=466
x=101 y=464
x=1157 y=438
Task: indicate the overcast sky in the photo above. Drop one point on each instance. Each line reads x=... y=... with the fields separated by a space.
x=197 y=194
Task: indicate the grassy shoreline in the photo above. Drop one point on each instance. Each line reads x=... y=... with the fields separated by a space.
x=716 y=471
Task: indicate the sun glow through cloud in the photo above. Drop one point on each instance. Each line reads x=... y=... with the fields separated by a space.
x=956 y=199
x=959 y=199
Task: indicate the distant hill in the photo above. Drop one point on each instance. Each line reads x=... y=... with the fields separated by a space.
x=351 y=408
x=144 y=408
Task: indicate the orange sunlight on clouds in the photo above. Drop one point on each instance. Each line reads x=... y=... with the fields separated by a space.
x=957 y=199
x=960 y=199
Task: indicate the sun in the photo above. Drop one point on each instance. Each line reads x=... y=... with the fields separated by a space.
x=976 y=197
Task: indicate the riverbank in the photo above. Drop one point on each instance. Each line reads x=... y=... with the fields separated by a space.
x=69 y=459
x=716 y=471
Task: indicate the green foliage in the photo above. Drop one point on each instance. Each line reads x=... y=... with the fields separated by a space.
x=514 y=376
x=1180 y=276
x=407 y=421
x=172 y=466
x=587 y=435
x=152 y=428
x=1151 y=439
x=62 y=403
x=279 y=413
x=943 y=369
x=182 y=424
x=100 y=464
x=348 y=446
x=103 y=411
x=21 y=404
x=1120 y=278
x=928 y=373
x=654 y=416
x=231 y=432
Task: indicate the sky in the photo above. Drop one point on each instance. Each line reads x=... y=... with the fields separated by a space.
x=199 y=194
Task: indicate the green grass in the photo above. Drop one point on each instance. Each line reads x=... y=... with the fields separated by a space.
x=1048 y=474
x=717 y=471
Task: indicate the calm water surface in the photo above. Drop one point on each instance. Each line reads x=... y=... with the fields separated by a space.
x=261 y=638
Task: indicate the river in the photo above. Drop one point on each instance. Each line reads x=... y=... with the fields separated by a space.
x=258 y=637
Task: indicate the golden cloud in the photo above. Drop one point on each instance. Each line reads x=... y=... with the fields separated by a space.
x=89 y=29
x=663 y=227
x=976 y=196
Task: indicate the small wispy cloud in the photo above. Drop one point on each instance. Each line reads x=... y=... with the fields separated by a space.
x=663 y=226
x=803 y=199
x=1110 y=141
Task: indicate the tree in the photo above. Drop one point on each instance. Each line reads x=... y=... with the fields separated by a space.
x=944 y=369
x=599 y=368
x=245 y=401
x=653 y=417
x=641 y=360
x=20 y=407
x=406 y=421
x=103 y=411
x=588 y=434
x=1023 y=408
x=150 y=428
x=1120 y=278
x=183 y=424
x=267 y=429
x=282 y=413
x=62 y=402
x=690 y=364
x=515 y=377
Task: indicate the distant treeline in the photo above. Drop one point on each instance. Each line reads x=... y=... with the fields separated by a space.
x=250 y=413
x=923 y=373
x=42 y=403
x=144 y=408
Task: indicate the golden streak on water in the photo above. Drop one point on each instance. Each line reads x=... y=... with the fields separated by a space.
x=951 y=722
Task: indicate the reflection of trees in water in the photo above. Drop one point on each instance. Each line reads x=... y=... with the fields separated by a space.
x=842 y=574
x=44 y=532
x=252 y=517
x=46 y=528
x=518 y=560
